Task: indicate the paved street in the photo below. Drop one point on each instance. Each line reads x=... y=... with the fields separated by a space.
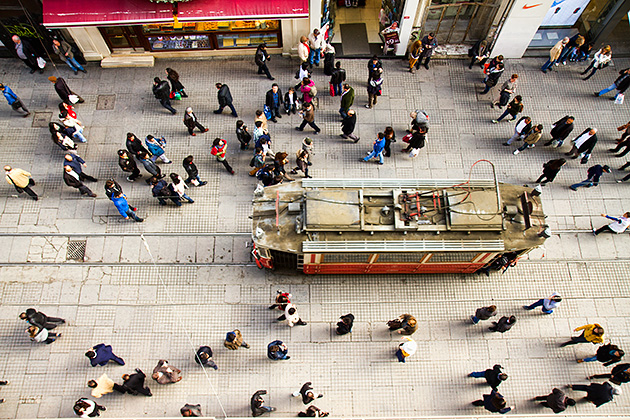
x=194 y=281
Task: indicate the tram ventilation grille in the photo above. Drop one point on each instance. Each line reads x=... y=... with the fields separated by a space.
x=76 y=250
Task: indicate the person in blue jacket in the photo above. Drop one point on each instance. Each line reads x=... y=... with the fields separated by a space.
x=13 y=100
x=493 y=402
x=379 y=145
x=277 y=350
x=156 y=147
x=101 y=354
x=120 y=201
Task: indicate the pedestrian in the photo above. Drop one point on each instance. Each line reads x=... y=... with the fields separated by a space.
x=406 y=324
x=72 y=179
x=557 y=401
x=493 y=75
x=531 y=139
x=161 y=91
x=301 y=161
x=128 y=164
x=41 y=335
x=373 y=65
x=308 y=117
x=377 y=149
x=620 y=374
x=261 y=58
x=112 y=188
x=279 y=171
x=74 y=126
x=583 y=145
x=120 y=201
x=134 y=146
x=307 y=393
x=104 y=385
x=219 y=147
x=274 y=100
x=303 y=50
x=598 y=394
x=503 y=325
x=344 y=325
x=316 y=42
x=87 y=408
x=225 y=99
x=561 y=130
x=258 y=161
x=505 y=93
x=308 y=89
x=59 y=136
x=64 y=51
x=150 y=166
x=347 y=99
x=627 y=177
x=375 y=84
x=405 y=349
x=291 y=101
x=302 y=73
x=514 y=108
x=569 y=51
x=348 y=125
x=190 y=410
x=13 y=100
x=483 y=314
x=257 y=404
x=176 y=86
x=414 y=54
x=592 y=180
x=601 y=59
x=191 y=121
x=179 y=187
x=337 y=78
x=591 y=333
x=40 y=319
x=25 y=52
x=277 y=350
x=291 y=315
x=493 y=376
x=193 y=172
x=21 y=181
x=493 y=402
x=429 y=44
x=554 y=54
x=64 y=91
x=156 y=148
x=618 y=224
x=101 y=354
x=313 y=411
x=204 y=357
x=547 y=304
x=329 y=58
x=479 y=53
x=416 y=142
x=621 y=84
x=161 y=190
x=134 y=383
x=626 y=133
x=390 y=137
x=163 y=373
x=242 y=134
x=234 y=340
x=622 y=143
x=607 y=354
x=264 y=127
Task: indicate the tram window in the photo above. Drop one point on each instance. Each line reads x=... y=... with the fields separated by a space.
x=400 y=257
x=442 y=257
x=346 y=258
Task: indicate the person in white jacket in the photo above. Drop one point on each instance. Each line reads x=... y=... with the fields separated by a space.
x=601 y=59
x=303 y=49
x=618 y=225
x=291 y=316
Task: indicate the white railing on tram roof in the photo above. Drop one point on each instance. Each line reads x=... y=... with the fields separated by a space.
x=447 y=245
x=394 y=183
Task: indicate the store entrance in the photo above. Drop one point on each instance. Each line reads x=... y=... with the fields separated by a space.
x=124 y=37
x=460 y=22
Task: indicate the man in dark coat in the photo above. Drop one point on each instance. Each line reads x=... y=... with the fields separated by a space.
x=162 y=91
x=348 y=124
x=620 y=374
x=479 y=53
x=598 y=394
x=307 y=393
x=26 y=53
x=77 y=164
x=373 y=65
x=204 y=357
x=608 y=354
x=41 y=320
x=557 y=401
x=62 y=89
x=274 y=100
x=493 y=376
x=261 y=59
x=162 y=191
x=621 y=84
x=256 y=403
x=134 y=383
x=344 y=326
x=429 y=43
x=191 y=121
x=583 y=145
x=594 y=173
x=225 y=99
x=347 y=99
x=71 y=178
x=135 y=146
x=561 y=130
x=101 y=354
x=128 y=164
x=503 y=325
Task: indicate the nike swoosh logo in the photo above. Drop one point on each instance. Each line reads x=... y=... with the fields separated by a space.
x=533 y=5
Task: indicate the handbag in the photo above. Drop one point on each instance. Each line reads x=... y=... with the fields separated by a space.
x=267 y=112
x=407 y=138
x=41 y=63
x=619 y=98
x=414 y=153
x=73 y=98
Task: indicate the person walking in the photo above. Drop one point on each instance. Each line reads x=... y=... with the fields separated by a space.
x=618 y=224
x=414 y=54
x=316 y=42
x=547 y=304
x=550 y=171
x=337 y=78
x=65 y=54
x=479 y=53
x=112 y=188
x=621 y=84
x=348 y=125
x=150 y=166
x=291 y=315
x=85 y=408
x=13 y=100
x=312 y=411
x=277 y=350
x=104 y=385
x=163 y=373
x=274 y=100
x=561 y=130
x=493 y=75
x=620 y=374
x=504 y=324
x=234 y=340
x=156 y=148
x=134 y=383
x=514 y=108
x=405 y=349
x=179 y=187
x=41 y=335
x=601 y=59
x=390 y=137
x=505 y=93
x=627 y=177
x=161 y=190
x=405 y=324
x=493 y=402
x=25 y=52
x=429 y=44
x=308 y=89
x=307 y=393
x=224 y=97
x=219 y=147
x=261 y=58
x=257 y=162
x=101 y=354
x=373 y=65
x=554 y=54
x=416 y=142
x=591 y=333
x=593 y=175
x=191 y=410
x=63 y=90
x=204 y=357
x=161 y=91
x=73 y=126
x=128 y=164
x=303 y=50
x=607 y=354
x=242 y=134
x=282 y=299
x=308 y=117
x=493 y=376
x=347 y=99
x=598 y=394
x=134 y=146
x=191 y=121
x=193 y=172
x=531 y=139
x=622 y=143
x=257 y=404
x=569 y=51
x=72 y=179
x=290 y=101
x=176 y=86
x=120 y=201
x=344 y=325
x=557 y=401
x=40 y=319
x=483 y=314
x=521 y=130
x=583 y=145
x=377 y=149
x=374 y=88
x=21 y=181
x=302 y=161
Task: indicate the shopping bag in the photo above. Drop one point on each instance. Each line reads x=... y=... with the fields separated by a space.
x=41 y=63
x=73 y=98
x=267 y=112
x=332 y=90
x=619 y=98
x=407 y=138
x=414 y=153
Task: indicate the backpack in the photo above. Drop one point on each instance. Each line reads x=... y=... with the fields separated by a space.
x=265 y=175
x=313 y=91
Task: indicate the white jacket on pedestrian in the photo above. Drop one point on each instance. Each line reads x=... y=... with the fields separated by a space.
x=291 y=319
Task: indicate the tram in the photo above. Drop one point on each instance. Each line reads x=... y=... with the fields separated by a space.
x=372 y=226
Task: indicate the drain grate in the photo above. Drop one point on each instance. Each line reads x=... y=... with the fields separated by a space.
x=76 y=250
x=41 y=119
x=105 y=102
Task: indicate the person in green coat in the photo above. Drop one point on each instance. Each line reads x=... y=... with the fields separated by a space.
x=347 y=99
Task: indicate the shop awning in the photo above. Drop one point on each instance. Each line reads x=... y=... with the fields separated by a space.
x=64 y=13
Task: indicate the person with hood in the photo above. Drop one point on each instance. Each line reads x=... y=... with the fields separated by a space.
x=161 y=91
x=14 y=100
x=583 y=145
x=219 y=147
x=493 y=376
x=557 y=401
x=25 y=52
x=621 y=84
x=554 y=54
x=598 y=394
x=348 y=125
x=234 y=340
x=225 y=99
x=176 y=86
x=261 y=58
x=156 y=148
x=191 y=121
x=560 y=131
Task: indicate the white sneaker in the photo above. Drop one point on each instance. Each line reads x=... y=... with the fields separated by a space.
x=516 y=152
x=296 y=394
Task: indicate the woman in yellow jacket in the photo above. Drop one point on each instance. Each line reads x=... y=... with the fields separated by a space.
x=592 y=333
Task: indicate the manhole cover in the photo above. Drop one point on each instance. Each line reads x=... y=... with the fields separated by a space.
x=41 y=119
x=105 y=102
x=76 y=250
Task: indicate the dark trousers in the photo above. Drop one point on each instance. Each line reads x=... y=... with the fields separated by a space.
x=220 y=110
x=32 y=65
x=575 y=340
x=263 y=69
x=312 y=124
x=52 y=322
x=198 y=125
x=28 y=191
x=84 y=190
x=227 y=165
x=275 y=112
x=166 y=103
x=174 y=199
x=592 y=72
x=474 y=59
x=622 y=144
x=580 y=387
x=85 y=177
x=134 y=174
x=387 y=148
x=139 y=390
x=543 y=177
x=17 y=105
x=605 y=228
